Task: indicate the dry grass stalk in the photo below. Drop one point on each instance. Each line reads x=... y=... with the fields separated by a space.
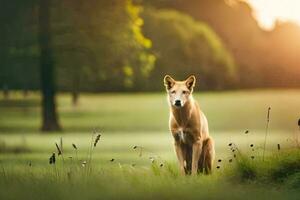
x=266 y=133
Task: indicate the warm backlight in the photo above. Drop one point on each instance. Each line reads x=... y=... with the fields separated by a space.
x=268 y=11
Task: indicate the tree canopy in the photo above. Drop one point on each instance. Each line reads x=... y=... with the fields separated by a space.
x=184 y=46
x=124 y=45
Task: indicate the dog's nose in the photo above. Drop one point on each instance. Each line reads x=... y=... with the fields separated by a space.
x=177 y=103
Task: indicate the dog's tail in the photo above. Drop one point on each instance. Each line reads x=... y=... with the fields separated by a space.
x=207 y=156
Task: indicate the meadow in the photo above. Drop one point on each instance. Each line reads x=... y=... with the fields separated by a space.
x=134 y=158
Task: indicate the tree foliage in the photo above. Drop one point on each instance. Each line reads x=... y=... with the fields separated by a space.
x=124 y=45
x=98 y=46
x=184 y=46
x=107 y=44
x=264 y=58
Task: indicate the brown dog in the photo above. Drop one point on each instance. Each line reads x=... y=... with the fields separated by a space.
x=189 y=127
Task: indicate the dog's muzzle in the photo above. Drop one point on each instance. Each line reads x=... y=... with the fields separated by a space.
x=178 y=103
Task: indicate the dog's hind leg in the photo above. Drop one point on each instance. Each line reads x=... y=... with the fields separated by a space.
x=209 y=155
x=201 y=162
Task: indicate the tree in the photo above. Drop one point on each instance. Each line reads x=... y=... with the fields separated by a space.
x=49 y=114
x=4 y=20
x=18 y=41
x=107 y=48
x=185 y=46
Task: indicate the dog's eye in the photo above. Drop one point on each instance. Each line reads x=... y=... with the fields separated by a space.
x=184 y=92
x=173 y=92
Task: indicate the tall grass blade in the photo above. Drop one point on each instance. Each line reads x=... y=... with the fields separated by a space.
x=266 y=132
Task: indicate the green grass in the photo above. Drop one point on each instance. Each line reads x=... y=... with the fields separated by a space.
x=126 y=120
x=226 y=111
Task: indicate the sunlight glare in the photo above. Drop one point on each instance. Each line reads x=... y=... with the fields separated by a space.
x=268 y=12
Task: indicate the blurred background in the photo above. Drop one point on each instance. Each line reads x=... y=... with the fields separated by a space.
x=123 y=45
x=69 y=66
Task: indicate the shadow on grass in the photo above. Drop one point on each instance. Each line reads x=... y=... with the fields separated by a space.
x=66 y=129
x=17 y=149
x=19 y=103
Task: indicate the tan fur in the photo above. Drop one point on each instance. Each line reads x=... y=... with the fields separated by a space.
x=188 y=125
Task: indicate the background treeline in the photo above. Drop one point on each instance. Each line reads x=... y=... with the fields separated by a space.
x=264 y=58
x=123 y=45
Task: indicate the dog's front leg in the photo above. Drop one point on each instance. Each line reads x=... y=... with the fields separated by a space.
x=197 y=148
x=179 y=153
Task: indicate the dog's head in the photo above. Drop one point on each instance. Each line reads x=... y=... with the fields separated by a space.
x=179 y=92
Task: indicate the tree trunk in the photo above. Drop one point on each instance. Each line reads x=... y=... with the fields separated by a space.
x=4 y=49
x=25 y=93
x=49 y=114
x=5 y=92
x=75 y=91
x=75 y=97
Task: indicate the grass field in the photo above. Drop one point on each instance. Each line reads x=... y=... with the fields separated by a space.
x=128 y=120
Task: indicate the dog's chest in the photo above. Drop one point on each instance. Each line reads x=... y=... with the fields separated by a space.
x=184 y=137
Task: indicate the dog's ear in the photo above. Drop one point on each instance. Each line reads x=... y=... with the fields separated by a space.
x=169 y=82
x=190 y=82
